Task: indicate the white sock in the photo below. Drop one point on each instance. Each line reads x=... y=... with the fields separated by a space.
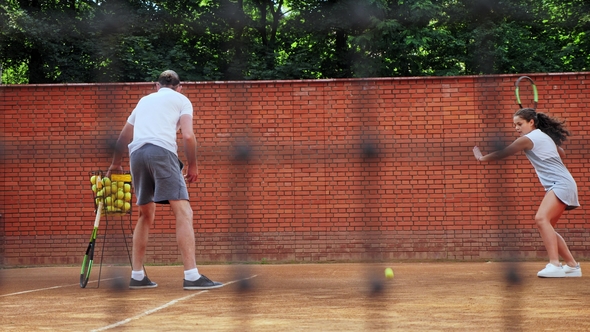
x=192 y=274
x=137 y=275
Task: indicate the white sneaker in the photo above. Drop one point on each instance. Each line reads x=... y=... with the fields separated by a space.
x=572 y=271
x=551 y=271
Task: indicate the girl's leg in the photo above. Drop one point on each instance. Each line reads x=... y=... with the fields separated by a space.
x=564 y=251
x=562 y=248
x=550 y=210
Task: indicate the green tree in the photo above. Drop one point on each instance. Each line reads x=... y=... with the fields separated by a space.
x=51 y=41
x=45 y=36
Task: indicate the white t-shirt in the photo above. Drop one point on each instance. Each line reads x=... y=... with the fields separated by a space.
x=156 y=119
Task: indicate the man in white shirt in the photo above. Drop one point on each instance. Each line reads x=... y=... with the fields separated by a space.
x=150 y=135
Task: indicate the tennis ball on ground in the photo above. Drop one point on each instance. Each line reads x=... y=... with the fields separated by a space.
x=388 y=273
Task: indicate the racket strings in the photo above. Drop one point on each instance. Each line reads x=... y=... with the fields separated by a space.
x=531 y=92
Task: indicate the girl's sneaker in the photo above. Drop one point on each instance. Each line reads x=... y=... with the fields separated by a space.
x=551 y=271
x=572 y=271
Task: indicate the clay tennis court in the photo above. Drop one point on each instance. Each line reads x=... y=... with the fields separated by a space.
x=423 y=296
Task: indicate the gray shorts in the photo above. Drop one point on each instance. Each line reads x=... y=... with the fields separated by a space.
x=157 y=175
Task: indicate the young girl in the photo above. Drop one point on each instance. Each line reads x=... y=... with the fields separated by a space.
x=541 y=138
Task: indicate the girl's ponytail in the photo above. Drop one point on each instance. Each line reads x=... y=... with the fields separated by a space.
x=552 y=127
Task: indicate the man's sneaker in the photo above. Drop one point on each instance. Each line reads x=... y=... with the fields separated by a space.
x=201 y=283
x=572 y=271
x=144 y=283
x=551 y=271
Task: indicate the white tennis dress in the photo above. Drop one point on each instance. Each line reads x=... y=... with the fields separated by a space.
x=550 y=169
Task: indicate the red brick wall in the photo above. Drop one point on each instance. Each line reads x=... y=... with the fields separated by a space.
x=307 y=191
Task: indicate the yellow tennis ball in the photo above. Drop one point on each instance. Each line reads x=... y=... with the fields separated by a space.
x=127 y=188
x=93 y=179
x=388 y=273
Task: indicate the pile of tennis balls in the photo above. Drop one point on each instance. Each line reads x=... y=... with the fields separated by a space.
x=116 y=195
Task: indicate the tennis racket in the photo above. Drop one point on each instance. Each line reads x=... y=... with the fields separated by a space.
x=534 y=90
x=89 y=256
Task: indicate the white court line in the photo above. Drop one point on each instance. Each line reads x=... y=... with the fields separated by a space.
x=54 y=287
x=164 y=306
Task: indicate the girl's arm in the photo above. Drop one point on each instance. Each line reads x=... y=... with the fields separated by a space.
x=520 y=144
x=561 y=152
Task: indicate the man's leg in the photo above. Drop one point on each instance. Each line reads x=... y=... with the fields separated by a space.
x=141 y=234
x=140 y=238
x=185 y=234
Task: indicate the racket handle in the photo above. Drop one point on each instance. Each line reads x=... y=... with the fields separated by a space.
x=98 y=213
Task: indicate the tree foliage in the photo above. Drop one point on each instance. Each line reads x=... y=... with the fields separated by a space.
x=56 y=41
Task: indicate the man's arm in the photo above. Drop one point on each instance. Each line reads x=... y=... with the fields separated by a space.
x=190 y=148
x=124 y=139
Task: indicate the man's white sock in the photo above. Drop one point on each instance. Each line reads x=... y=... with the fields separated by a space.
x=192 y=274
x=137 y=275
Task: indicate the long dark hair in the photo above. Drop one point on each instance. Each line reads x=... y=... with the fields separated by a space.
x=554 y=128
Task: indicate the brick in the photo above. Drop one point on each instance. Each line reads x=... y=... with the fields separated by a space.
x=306 y=194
